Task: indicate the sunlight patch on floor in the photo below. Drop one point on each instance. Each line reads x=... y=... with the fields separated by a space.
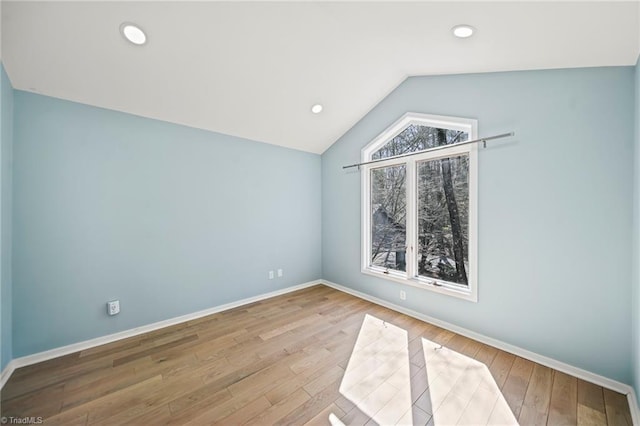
x=377 y=378
x=457 y=389
x=462 y=390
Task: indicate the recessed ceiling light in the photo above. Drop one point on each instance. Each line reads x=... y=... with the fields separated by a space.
x=316 y=109
x=463 y=31
x=133 y=33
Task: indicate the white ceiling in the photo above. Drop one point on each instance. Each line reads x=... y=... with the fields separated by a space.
x=254 y=69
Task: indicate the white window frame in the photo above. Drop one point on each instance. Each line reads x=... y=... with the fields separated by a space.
x=410 y=277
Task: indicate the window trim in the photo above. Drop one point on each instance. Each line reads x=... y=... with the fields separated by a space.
x=410 y=277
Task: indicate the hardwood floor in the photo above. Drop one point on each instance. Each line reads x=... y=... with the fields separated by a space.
x=316 y=356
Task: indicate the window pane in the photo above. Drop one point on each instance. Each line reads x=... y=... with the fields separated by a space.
x=418 y=138
x=388 y=217
x=443 y=219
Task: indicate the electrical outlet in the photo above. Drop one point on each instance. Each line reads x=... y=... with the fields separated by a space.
x=403 y=295
x=271 y=275
x=279 y=273
x=113 y=307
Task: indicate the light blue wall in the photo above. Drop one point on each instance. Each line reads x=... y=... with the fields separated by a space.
x=554 y=210
x=167 y=219
x=6 y=123
x=635 y=299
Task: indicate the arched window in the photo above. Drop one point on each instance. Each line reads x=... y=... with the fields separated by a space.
x=419 y=211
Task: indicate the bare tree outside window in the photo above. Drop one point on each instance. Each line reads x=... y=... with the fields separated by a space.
x=443 y=207
x=417 y=138
x=388 y=216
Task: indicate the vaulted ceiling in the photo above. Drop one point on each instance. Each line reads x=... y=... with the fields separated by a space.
x=254 y=69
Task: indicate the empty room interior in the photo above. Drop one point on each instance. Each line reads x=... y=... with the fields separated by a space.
x=315 y=212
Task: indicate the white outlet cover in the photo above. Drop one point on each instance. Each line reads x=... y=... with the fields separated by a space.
x=279 y=272
x=271 y=275
x=113 y=307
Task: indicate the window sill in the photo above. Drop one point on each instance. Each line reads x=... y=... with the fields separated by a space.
x=469 y=294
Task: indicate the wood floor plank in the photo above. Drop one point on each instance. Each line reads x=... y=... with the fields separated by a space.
x=211 y=413
x=263 y=380
x=282 y=408
x=457 y=342
x=212 y=347
x=155 y=350
x=535 y=409
x=55 y=363
x=471 y=348
x=591 y=411
x=131 y=405
x=486 y=354
x=318 y=384
x=283 y=360
x=244 y=414
x=38 y=381
x=515 y=387
x=67 y=419
x=236 y=373
x=197 y=399
x=156 y=416
x=44 y=402
x=326 y=416
x=313 y=406
x=617 y=408
x=501 y=366
x=307 y=319
x=563 y=407
x=109 y=382
x=282 y=391
x=102 y=407
x=110 y=348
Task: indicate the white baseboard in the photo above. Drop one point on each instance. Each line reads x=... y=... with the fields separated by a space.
x=87 y=344
x=633 y=406
x=523 y=353
x=7 y=372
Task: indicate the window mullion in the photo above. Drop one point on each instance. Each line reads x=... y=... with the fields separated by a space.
x=366 y=217
x=412 y=214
